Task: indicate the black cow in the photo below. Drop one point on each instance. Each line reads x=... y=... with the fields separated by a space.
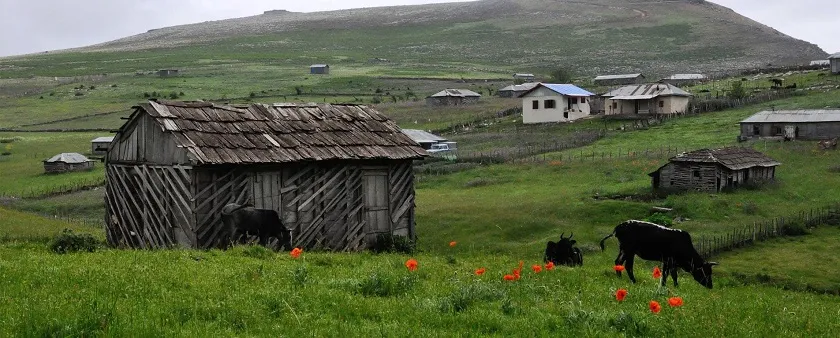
x=654 y=242
x=243 y=221
x=563 y=252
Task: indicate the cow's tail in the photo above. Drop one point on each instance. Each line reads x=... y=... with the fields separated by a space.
x=605 y=239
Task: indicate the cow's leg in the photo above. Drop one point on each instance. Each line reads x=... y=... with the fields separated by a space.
x=629 y=267
x=674 y=272
x=619 y=261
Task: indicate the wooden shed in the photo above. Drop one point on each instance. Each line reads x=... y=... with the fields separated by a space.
x=452 y=97
x=834 y=63
x=319 y=69
x=337 y=175
x=808 y=124
x=713 y=170
x=99 y=146
x=66 y=162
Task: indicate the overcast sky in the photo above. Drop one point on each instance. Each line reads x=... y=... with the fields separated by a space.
x=37 y=25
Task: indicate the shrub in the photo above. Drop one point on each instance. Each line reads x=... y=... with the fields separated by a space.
x=147 y=95
x=393 y=243
x=661 y=219
x=68 y=241
x=173 y=95
x=794 y=229
x=750 y=208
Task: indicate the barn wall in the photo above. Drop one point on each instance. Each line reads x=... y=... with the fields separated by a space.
x=143 y=141
x=689 y=176
x=804 y=131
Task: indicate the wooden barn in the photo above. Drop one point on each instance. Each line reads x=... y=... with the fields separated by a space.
x=66 y=162
x=813 y=124
x=99 y=146
x=713 y=170
x=338 y=175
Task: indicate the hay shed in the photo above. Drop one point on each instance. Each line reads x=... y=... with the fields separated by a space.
x=713 y=170
x=67 y=162
x=338 y=175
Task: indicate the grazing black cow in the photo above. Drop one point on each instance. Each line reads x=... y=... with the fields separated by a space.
x=563 y=252
x=654 y=242
x=245 y=220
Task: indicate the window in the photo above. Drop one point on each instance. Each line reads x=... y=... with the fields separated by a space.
x=550 y=104
x=582 y=100
x=615 y=105
x=696 y=173
x=661 y=104
x=535 y=104
x=777 y=130
x=756 y=130
x=574 y=100
x=565 y=114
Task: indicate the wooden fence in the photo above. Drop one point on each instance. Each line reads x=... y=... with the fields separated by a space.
x=709 y=246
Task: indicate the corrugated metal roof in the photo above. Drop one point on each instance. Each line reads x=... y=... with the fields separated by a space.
x=617 y=76
x=686 y=77
x=734 y=158
x=564 y=89
x=68 y=158
x=456 y=93
x=280 y=133
x=633 y=97
x=422 y=136
x=102 y=139
x=523 y=75
x=834 y=56
x=795 y=116
x=319 y=66
x=655 y=89
x=520 y=87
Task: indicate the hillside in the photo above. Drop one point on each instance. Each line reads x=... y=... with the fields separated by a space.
x=589 y=36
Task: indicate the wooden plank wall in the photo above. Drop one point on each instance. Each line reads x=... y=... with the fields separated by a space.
x=214 y=188
x=402 y=199
x=145 y=141
x=148 y=206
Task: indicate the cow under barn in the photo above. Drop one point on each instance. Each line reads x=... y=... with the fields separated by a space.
x=243 y=221
x=563 y=252
x=654 y=242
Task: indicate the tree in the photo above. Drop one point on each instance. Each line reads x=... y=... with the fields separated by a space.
x=561 y=75
x=737 y=91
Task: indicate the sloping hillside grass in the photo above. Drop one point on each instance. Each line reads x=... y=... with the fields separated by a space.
x=16 y=227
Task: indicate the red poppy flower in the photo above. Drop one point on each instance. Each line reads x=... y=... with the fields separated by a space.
x=620 y=294
x=656 y=272
x=675 y=301
x=296 y=252
x=411 y=264
x=549 y=266
x=537 y=268
x=510 y=277
x=655 y=307
x=480 y=271
x=618 y=268
x=517 y=273
x=452 y=244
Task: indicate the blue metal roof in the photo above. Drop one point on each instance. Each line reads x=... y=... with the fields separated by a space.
x=567 y=89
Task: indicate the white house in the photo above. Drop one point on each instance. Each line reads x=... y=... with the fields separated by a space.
x=834 y=61
x=548 y=102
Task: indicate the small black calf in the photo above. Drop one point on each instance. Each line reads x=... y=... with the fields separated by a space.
x=563 y=252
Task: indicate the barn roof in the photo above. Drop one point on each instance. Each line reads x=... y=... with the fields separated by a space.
x=456 y=93
x=646 y=91
x=319 y=66
x=794 y=116
x=686 y=77
x=280 y=133
x=68 y=158
x=520 y=87
x=102 y=139
x=564 y=89
x=618 y=76
x=834 y=56
x=734 y=158
x=422 y=136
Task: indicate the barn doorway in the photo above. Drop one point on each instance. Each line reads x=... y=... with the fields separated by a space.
x=376 y=192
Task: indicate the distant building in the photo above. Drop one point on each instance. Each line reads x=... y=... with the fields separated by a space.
x=516 y=90
x=713 y=170
x=319 y=69
x=820 y=63
x=620 y=79
x=685 y=79
x=835 y=63
x=424 y=138
x=453 y=97
x=66 y=162
x=523 y=77
x=651 y=98
x=167 y=72
x=549 y=102
x=100 y=145
x=792 y=124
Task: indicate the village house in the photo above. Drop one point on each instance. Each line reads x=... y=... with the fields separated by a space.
x=817 y=124
x=425 y=139
x=685 y=79
x=820 y=63
x=67 y=162
x=452 y=97
x=619 y=79
x=834 y=59
x=548 y=102
x=516 y=90
x=523 y=77
x=338 y=175
x=319 y=69
x=713 y=170
x=99 y=146
x=651 y=98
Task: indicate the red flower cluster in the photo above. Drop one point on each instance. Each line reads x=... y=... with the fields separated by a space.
x=517 y=273
x=296 y=252
x=655 y=307
x=452 y=244
x=618 y=268
x=549 y=266
x=537 y=268
x=620 y=294
x=480 y=271
x=656 y=272
x=411 y=264
x=675 y=301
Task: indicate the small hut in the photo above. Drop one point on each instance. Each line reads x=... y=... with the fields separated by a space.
x=319 y=69
x=338 y=175
x=66 y=162
x=713 y=170
x=452 y=97
x=99 y=146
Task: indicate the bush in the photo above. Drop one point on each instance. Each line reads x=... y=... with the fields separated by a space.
x=661 y=219
x=173 y=95
x=393 y=243
x=750 y=208
x=68 y=241
x=794 y=229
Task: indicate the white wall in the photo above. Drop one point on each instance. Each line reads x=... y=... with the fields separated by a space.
x=556 y=114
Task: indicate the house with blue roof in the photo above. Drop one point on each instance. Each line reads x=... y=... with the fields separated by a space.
x=548 y=102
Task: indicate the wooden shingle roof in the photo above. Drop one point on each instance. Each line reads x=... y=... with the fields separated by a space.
x=280 y=133
x=734 y=158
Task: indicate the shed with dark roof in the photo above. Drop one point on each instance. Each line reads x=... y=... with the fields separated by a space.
x=713 y=170
x=338 y=175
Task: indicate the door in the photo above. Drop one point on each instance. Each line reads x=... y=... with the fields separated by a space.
x=790 y=132
x=377 y=213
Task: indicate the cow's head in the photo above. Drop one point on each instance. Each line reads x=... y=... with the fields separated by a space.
x=703 y=274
